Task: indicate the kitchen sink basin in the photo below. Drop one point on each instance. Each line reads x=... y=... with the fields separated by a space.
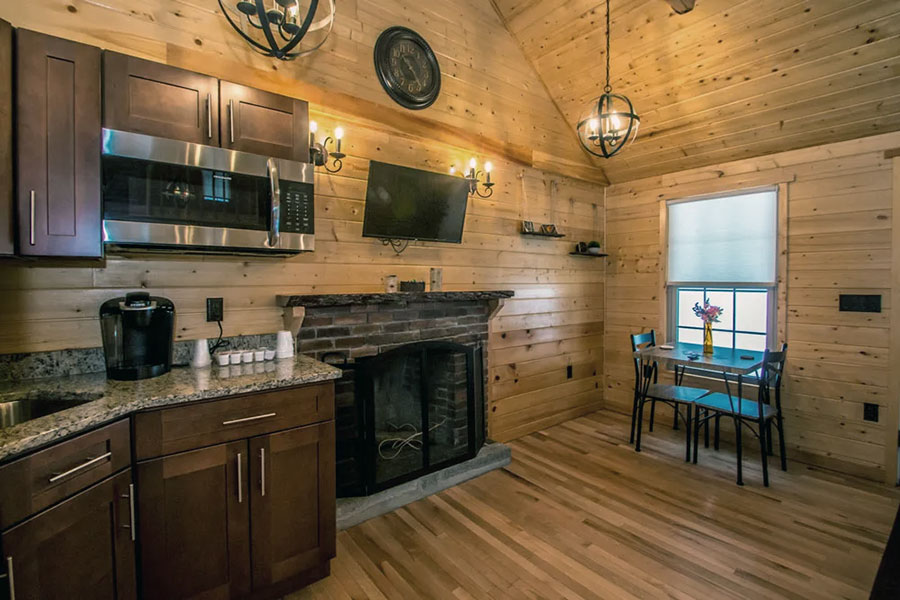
x=32 y=406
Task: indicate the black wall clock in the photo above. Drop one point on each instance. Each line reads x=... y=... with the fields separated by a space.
x=407 y=68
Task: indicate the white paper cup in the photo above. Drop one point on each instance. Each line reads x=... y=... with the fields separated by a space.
x=235 y=358
x=259 y=355
x=223 y=358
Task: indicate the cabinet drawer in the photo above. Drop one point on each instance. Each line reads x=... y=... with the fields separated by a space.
x=180 y=428
x=33 y=483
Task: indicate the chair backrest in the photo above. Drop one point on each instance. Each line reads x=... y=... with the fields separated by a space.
x=640 y=341
x=770 y=376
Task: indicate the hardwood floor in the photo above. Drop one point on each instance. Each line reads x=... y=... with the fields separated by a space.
x=579 y=514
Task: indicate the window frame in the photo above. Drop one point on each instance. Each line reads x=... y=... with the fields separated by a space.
x=773 y=288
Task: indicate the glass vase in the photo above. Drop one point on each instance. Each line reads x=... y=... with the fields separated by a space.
x=707 y=338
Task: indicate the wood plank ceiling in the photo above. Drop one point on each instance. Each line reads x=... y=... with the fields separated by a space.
x=726 y=81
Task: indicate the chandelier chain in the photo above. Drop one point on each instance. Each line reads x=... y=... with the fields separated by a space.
x=608 y=88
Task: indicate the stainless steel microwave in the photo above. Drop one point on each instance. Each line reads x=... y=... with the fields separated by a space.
x=167 y=194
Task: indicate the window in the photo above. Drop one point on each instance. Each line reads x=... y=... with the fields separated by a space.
x=724 y=249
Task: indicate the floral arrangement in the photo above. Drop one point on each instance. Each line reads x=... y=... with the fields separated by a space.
x=707 y=313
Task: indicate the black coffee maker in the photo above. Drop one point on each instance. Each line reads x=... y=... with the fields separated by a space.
x=137 y=335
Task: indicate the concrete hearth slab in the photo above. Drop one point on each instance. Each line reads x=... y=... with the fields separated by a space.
x=353 y=511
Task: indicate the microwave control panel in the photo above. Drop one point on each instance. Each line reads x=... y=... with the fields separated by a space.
x=297 y=207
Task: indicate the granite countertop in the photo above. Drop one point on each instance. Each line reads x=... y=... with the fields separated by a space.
x=389 y=298
x=97 y=400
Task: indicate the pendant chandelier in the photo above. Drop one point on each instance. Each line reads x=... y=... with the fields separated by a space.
x=609 y=122
x=276 y=28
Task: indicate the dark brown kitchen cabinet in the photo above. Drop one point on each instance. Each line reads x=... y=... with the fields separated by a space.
x=194 y=528
x=57 y=146
x=263 y=123
x=292 y=502
x=155 y=99
x=7 y=239
x=81 y=548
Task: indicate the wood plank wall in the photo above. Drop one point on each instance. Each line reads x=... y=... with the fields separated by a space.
x=839 y=241
x=554 y=321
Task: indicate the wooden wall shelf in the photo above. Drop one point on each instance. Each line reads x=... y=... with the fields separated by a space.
x=588 y=254
x=539 y=234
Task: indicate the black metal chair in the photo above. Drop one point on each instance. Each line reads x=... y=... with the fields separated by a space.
x=747 y=413
x=648 y=389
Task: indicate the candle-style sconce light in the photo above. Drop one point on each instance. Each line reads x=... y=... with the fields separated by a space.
x=473 y=176
x=318 y=152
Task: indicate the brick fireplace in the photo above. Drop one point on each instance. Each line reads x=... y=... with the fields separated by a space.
x=412 y=396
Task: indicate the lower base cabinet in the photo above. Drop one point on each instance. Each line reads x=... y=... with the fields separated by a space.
x=81 y=548
x=252 y=518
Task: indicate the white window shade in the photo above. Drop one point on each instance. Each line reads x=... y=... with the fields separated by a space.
x=729 y=239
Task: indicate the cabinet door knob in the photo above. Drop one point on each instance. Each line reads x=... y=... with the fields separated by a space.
x=262 y=471
x=209 y=116
x=9 y=575
x=240 y=485
x=31 y=219
x=231 y=120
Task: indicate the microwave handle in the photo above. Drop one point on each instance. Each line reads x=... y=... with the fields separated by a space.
x=275 y=226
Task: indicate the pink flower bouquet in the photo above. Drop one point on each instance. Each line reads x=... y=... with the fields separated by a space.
x=707 y=313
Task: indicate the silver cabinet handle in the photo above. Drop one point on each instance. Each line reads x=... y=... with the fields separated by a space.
x=240 y=485
x=209 y=116
x=262 y=471
x=246 y=419
x=90 y=461
x=131 y=509
x=11 y=577
x=31 y=210
x=231 y=119
x=275 y=227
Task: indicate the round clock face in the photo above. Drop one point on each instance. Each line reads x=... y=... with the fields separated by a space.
x=407 y=68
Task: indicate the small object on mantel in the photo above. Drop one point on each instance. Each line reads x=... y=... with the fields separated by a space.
x=437 y=280
x=390 y=284
x=412 y=286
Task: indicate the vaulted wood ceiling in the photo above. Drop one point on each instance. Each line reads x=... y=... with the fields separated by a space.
x=728 y=80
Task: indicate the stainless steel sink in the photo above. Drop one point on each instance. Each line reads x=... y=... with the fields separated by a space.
x=32 y=406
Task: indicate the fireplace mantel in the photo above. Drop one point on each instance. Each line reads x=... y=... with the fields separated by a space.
x=315 y=300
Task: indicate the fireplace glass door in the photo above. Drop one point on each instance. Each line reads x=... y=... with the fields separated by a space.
x=419 y=403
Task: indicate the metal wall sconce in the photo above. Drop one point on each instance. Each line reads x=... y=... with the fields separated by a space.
x=473 y=176
x=319 y=154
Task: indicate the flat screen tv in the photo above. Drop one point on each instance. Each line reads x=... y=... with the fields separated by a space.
x=409 y=204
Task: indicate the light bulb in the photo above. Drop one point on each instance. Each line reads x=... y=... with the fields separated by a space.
x=313 y=127
x=293 y=10
x=487 y=167
x=339 y=133
x=473 y=163
x=453 y=169
x=614 y=123
x=592 y=126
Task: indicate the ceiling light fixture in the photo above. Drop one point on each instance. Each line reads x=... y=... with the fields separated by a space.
x=277 y=31
x=609 y=122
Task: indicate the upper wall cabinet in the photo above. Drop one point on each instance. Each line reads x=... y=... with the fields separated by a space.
x=159 y=100
x=58 y=146
x=264 y=123
x=7 y=241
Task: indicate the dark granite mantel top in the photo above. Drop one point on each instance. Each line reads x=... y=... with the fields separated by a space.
x=389 y=298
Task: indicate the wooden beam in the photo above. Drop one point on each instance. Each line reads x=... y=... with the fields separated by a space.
x=893 y=416
x=681 y=6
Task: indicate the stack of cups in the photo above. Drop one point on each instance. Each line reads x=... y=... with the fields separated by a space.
x=284 y=347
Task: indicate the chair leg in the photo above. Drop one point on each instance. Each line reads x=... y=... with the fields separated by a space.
x=696 y=426
x=640 y=424
x=706 y=433
x=780 y=425
x=634 y=406
x=738 y=434
x=769 y=437
x=652 y=413
x=687 y=431
x=675 y=424
x=716 y=434
x=763 y=450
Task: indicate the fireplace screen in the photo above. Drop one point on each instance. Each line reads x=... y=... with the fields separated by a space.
x=419 y=410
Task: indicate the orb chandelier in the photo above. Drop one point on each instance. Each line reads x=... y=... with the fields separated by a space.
x=609 y=121
x=276 y=28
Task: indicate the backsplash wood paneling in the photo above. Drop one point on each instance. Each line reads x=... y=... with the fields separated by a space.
x=554 y=320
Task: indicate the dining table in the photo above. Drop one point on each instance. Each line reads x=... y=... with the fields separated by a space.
x=733 y=365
